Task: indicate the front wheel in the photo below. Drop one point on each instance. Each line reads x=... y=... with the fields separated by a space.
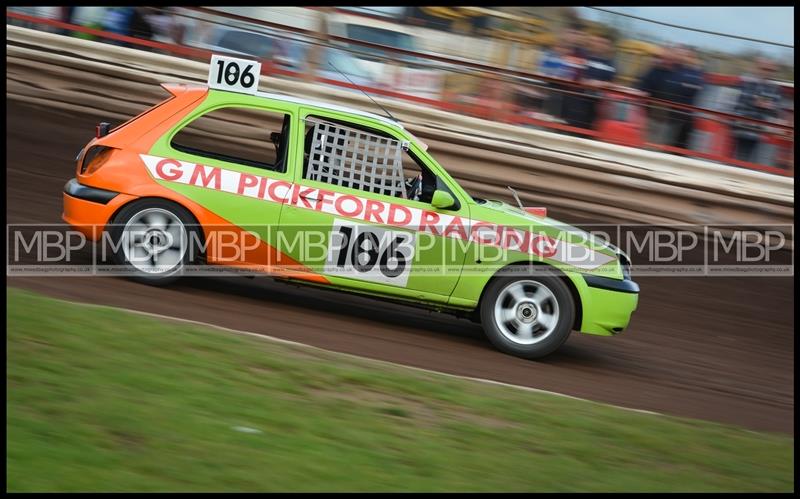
x=529 y=316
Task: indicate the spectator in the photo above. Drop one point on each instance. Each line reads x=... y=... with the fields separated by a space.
x=90 y=17
x=128 y=21
x=684 y=84
x=139 y=26
x=169 y=26
x=575 y=39
x=117 y=20
x=654 y=83
x=759 y=99
x=597 y=69
x=67 y=14
x=555 y=64
x=564 y=62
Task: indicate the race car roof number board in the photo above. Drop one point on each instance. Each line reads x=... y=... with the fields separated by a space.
x=234 y=75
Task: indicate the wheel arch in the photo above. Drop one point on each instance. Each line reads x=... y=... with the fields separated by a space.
x=576 y=297
x=188 y=209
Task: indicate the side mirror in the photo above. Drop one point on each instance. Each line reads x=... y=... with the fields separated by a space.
x=442 y=199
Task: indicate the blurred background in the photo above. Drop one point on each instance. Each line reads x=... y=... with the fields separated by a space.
x=629 y=117
x=612 y=75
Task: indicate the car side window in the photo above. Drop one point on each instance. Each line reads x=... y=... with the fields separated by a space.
x=244 y=135
x=353 y=156
x=421 y=182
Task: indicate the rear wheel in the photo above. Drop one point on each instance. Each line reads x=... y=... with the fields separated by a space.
x=152 y=239
x=529 y=316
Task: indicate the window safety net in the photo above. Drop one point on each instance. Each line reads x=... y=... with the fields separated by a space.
x=349 y=157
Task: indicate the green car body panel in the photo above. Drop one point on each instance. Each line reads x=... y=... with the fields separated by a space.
x=600 y=311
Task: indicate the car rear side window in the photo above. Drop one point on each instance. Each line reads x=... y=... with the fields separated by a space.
x=248 y=136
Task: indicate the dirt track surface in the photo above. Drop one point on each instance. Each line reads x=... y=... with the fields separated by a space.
x=719 y=348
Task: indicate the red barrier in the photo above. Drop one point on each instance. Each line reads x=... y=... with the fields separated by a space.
x=622 y=122
x=714 y=137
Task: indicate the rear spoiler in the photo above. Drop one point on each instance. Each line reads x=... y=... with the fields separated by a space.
x=178 y=88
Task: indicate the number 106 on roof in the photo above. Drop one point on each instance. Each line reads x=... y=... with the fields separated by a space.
x=234 y=75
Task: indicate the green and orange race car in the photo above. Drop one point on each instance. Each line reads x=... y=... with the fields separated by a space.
x=334 y=197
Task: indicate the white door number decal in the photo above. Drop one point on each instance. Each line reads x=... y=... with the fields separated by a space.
x=234 y=75
x=370 y=253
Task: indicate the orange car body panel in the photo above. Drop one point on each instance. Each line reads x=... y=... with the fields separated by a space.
x=136 y=137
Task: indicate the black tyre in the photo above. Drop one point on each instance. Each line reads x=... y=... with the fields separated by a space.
x=527 y=316
x=154 y=240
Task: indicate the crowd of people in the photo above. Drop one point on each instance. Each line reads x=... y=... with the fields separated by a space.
x=675 y=75
x=147 y=23
x=759 y=98
x=582 y=58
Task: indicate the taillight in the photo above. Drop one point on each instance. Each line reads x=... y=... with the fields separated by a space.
x=94 y=158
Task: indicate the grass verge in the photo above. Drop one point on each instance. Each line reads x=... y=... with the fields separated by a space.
x=104 y=400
